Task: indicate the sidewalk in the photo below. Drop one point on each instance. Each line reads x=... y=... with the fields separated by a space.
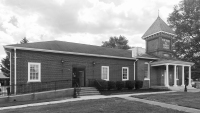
x=78 y=99
x=124 y=96
x=170 y=106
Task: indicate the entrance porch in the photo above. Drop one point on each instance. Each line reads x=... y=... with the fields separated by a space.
x=170 y=74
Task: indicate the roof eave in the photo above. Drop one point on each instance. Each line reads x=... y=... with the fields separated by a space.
x=147 y=58
x=66 y=52
x=172 y=63
x=157 y=33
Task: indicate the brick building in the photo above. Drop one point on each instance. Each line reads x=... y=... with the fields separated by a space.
x=40 y=62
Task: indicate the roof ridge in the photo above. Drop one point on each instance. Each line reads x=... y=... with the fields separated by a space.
x=71 y=43
x=158 y=26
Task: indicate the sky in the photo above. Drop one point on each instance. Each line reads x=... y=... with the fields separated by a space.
x=80 y=21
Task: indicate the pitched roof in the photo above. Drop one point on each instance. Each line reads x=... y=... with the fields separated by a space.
x=147 y=56
x=158 y=26
x=74 y=48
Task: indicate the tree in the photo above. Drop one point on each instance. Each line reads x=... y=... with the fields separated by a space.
x=5 y=66
x=117 y=42
x=24 y=40
x=185 y=21
x=5 y=62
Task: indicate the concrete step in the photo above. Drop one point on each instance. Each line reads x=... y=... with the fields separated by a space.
x=89 y=94
x=85 y=91
x=181 y=88
x=88 y=91
x=159 y=87
x=87 y=88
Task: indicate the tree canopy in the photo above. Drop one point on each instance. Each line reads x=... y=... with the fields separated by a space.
x=24 y=40
x=117 y=42
x=185 y=20
x=5 y=62
x=5 y=66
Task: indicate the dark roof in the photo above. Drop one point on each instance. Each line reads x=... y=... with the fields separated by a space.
x=147 y=56
x=157 y=26
x=75 y=47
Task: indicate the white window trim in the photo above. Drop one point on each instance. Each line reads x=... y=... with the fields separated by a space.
x=39 y=73
x=127 y=73
x=148 y=70
x=107 y=72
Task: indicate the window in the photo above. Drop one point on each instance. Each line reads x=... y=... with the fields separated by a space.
x=34 y=72
x=146 y=71
x=125 y=73
x=105 y=73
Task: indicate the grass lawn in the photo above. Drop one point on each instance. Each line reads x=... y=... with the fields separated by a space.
x=111 y=105
x=5 y=104
x=126 y=91
x=187 y=99
x=112 y=92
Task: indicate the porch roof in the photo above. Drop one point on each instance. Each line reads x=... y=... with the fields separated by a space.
x=171 y=62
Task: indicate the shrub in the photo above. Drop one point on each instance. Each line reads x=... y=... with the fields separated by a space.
x=111 y=85
x=119 y=85
x=138 y=84
x=130 y=84
x=101 y=84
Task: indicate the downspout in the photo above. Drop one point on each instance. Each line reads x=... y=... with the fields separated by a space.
x=135 y=68
x=149 y=74
x=15 y=57
x=10 y=70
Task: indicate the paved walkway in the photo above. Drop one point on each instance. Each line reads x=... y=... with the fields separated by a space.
x=78 y=99
x=124 y=96
x=170 y=106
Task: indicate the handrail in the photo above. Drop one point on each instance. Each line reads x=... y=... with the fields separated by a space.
x=98 y=82
x=77 y=87
x=37 y=87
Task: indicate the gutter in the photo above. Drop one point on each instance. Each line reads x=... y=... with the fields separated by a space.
x=15 y=74
x=149 y=73
x=10 y=68
x=66 y=52
x=147 y=58
x=135 y=68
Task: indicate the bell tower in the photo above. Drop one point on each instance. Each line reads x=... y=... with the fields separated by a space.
x=159 y=39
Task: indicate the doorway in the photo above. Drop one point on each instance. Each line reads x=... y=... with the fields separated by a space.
x=78 y=76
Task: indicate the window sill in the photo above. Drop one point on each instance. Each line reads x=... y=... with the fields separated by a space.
x=33 y=81
x=146 y=79
x=105 y=79
x=125 y=79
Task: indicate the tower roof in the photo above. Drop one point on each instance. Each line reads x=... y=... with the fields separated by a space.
x=158 y=26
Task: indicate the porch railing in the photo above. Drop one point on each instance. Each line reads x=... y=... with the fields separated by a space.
x=36 y=87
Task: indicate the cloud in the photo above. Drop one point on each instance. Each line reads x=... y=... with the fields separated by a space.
x=82 y=21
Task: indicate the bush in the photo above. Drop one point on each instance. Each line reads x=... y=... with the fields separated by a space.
x=119 y=85
x=101 y=84
x=111 y=85
x=138 y=84
x=130 y=84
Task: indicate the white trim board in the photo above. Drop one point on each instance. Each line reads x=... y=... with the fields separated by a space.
x=65 y=52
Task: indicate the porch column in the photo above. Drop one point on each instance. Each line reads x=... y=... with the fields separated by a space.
x=175 y=82
x=183 y=77
x=167 y=75
x=189 y=82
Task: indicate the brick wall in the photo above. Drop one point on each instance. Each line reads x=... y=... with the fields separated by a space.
x=53 y=70
x=140 y=72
